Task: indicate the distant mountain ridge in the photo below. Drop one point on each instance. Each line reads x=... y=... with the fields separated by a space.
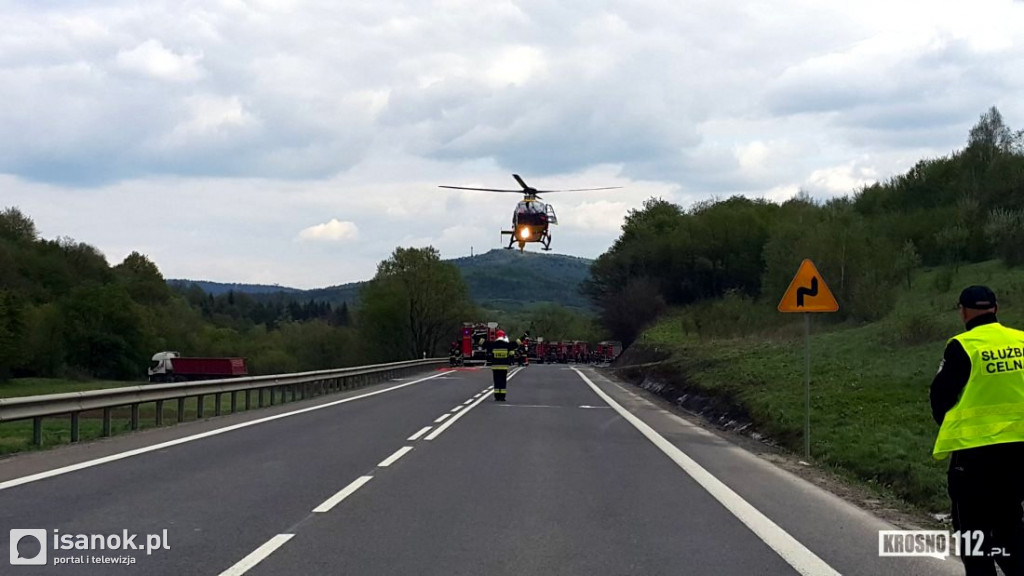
x=218 y=288
x=497 y=280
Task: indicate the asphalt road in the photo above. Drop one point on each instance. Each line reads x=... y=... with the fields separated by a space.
x=574 y=474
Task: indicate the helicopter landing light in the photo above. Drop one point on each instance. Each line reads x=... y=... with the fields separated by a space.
x=524 y=233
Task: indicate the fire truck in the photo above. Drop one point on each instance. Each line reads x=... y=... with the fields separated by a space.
x=608 y=350
x=475 y=336
x=539 y=350
x=579 y=351
x=556 y=352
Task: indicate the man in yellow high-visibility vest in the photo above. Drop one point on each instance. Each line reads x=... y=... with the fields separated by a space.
x=977 y=398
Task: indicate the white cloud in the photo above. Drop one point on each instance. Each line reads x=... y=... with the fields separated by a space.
x=602 y=216
x=840 y=180
x=333 y=231
x=152 y=59
x=516 y=65
x=210 y=115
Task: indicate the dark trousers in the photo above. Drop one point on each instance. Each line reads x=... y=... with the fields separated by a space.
x=500 y=379
x=986 y=486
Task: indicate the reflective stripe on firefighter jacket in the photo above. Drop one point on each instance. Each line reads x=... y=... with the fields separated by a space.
x=500 y=354
x=991 y=407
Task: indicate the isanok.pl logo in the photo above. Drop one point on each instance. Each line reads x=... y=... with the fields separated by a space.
x=28 y=547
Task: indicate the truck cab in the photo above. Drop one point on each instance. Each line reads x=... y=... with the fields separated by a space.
x=160 y=367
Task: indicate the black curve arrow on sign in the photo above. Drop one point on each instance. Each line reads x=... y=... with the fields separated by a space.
x=801 y=292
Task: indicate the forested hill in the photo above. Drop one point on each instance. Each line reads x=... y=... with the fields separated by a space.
x=508 y=279
x=220 y=288
x=499 y=279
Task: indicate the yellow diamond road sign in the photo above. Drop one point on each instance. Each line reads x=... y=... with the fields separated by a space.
x=808 y=292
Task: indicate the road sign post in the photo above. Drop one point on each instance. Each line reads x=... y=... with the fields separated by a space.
x=807 y=294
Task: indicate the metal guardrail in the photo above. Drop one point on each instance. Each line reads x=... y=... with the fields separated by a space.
x=268 y=388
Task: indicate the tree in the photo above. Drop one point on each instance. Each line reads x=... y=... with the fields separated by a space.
x=340 y=315
x=103 y=332
x=17 y=227
x=554 y=322
x=992 y=134
x=12 y=328
x=1005 y=230
x=952 y=240
x=414 y=305
x=142 y=279
x=907 y=261
x=626 y=312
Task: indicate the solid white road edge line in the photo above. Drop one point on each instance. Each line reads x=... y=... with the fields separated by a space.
x=394 y=457
x=342 y=494
x=257 y=555
x=417 y=435
x=790 y=549
x=440 y=429
x=128 y=454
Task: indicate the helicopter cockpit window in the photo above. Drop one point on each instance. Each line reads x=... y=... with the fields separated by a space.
x=530 y=208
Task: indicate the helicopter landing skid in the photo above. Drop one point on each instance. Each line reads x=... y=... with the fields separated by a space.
x=512 y=238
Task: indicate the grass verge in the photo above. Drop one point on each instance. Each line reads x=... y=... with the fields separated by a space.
x=870 y=415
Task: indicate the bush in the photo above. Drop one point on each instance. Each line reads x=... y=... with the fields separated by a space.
x=914 y=328
x=735 y=314
x=943 y=280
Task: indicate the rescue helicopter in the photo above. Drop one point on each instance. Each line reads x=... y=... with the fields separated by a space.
x=532 y=218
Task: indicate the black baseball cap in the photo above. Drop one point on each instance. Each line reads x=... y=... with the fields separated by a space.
x=978 y=298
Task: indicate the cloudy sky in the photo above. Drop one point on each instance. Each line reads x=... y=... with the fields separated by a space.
x=298 y=142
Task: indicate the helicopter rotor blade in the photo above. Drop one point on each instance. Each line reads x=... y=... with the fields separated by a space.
x=521 y=183
x=482 y=189
x=580 y=190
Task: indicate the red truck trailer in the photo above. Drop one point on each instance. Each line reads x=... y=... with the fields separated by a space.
x=171 y=367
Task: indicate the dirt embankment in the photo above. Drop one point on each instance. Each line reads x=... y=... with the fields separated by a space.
x=653 y=370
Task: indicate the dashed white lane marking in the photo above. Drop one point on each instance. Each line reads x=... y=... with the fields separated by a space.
x=419 y=434
x=470 y=401
x=342 y=494
x=790 y=549
x=437 y=431
x=440 y=429
x=456 y=409
x=442 y=418
x=394 y=457
x=122 y=455
x=257 y=555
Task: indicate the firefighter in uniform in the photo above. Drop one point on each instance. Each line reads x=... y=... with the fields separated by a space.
x=524 y=348
x=977 y=398
x=500 y=352
x=454 y=355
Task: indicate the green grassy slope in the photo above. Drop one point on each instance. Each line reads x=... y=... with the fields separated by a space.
x=870 y=415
